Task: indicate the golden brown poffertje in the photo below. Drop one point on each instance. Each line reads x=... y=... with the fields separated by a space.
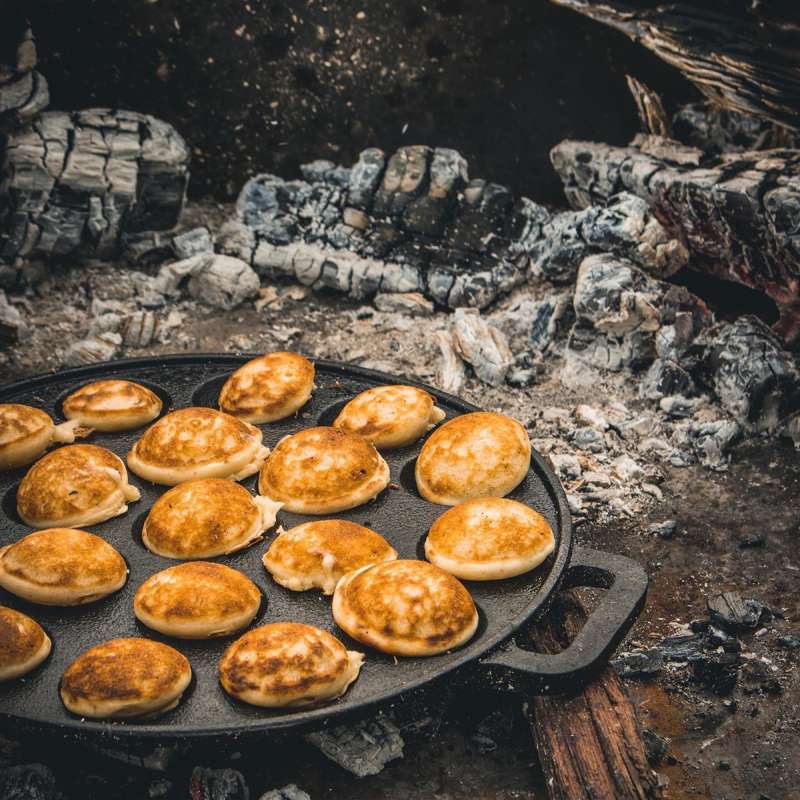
x=26 y=432
x=206 y=518
x=77 y=485
x=287 y=664
x=316 y=554
x=23 y=644
x=405 y=608
x=196 y=443
x=125 y=679
x=197 y=600
x=268 y=388
x=473 y=455
x=61 y=567
x=489 y=538
x=390 y=416
x=323 y=471
x=112 y=405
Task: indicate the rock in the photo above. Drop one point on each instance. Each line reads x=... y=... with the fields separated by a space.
x=194 y=242
x=483 y=347
x=413 y=304
x=290 y=792
x=589 y=415
x=639 y=663
x=28 y=782
x=223 y=282
x=12 y=325
x=566 y=466
x=363 y=748
x=626 y=469
x=217 y=784
x=93 y=349
x=664 y=530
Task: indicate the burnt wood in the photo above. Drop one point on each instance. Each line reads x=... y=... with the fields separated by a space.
x=741 y=55
x=589 y=741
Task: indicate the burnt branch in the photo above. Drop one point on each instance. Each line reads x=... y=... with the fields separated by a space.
x=650 y=108
x=23 y=90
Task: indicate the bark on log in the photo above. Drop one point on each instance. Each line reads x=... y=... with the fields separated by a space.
x=589 y=743
x=744 y=57
x=739 y=215
x=73 y=183
x=23 y=90
x=416 y=223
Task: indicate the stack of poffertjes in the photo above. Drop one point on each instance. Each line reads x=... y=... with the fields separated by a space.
x=402 y=607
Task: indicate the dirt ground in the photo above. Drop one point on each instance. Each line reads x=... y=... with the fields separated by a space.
x=743 y=745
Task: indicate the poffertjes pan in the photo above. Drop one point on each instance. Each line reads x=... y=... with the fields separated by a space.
x=205 y=518
x=61 y=567
x=23 y=644
x=268 y=388
x=473 y=455
x=489 y=539
x=405 y=608
x=125 y=679
x=288 y=664
x=390 y=416
x=76 y=485
x=323 y=471
x=197 y=600
x=197 y=443
x=26 y=432
x=112 y=405
x=316 y=554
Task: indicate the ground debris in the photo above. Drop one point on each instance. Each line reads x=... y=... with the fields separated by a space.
x=290 y=792
x=28 y=782
x=217 y=784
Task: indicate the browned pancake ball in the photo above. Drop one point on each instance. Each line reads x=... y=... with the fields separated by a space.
x=288 y=664
x=124 y=679
x=61 y=567
x=473 y=455
x=80 y=484
x=316 y=554
x=405 y=608
x=197 y=600
x=268 y=388
x=112 y=405
x=489 y=538
x=390 y=416
x=323 y=471
x=205 y=518
x=23 y=644
x=197 y=443
x=26 y=432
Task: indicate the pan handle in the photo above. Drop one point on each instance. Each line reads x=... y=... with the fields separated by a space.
x=626 y=582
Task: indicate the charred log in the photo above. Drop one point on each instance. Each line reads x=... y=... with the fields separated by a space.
x=743 y=57
x=739 y=216
x=23 y=90
x=73 y=183
x=416 y=223
x=650 y=108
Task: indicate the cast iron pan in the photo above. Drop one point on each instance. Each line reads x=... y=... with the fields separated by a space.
x=400 y=514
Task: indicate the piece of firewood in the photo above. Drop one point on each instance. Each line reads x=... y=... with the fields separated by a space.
x=589 y=742
x=745 y=57
x=651 y=109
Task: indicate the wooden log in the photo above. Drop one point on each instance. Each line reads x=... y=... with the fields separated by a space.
x=589 y=742
x=73 y=183
x=737 y=215
x=744 y=57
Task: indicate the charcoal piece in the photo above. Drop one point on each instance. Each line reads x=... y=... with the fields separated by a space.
x=365 y=178
x=363 y=748
x=480 y=217
x=655 y=746
x=28 y=782
x=482 y=346
x=739 y=216
x=447 y=176
x=751 y=541
x=718 y=672
x=217 y=784
x=289 y=792
x=711 y=441
x=193 y=243
x=683 y=647
x=412 y=304
x=404 y=179
x=12 y=325
x=754 y=379
x=664 y=530
x=649 y=107
x=734 y=613
x=741 y=56
x=223 y=282
x=75 y=183
x=717 y=130
x=639 y=663
x=139 y=329
x=451 y=372
x=536 y=323
x=23 y=90
x=148 y=248
x=93 y=349
x=665 y=377
x=789 y=641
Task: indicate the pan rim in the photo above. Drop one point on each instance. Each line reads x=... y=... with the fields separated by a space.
x=308 y=718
